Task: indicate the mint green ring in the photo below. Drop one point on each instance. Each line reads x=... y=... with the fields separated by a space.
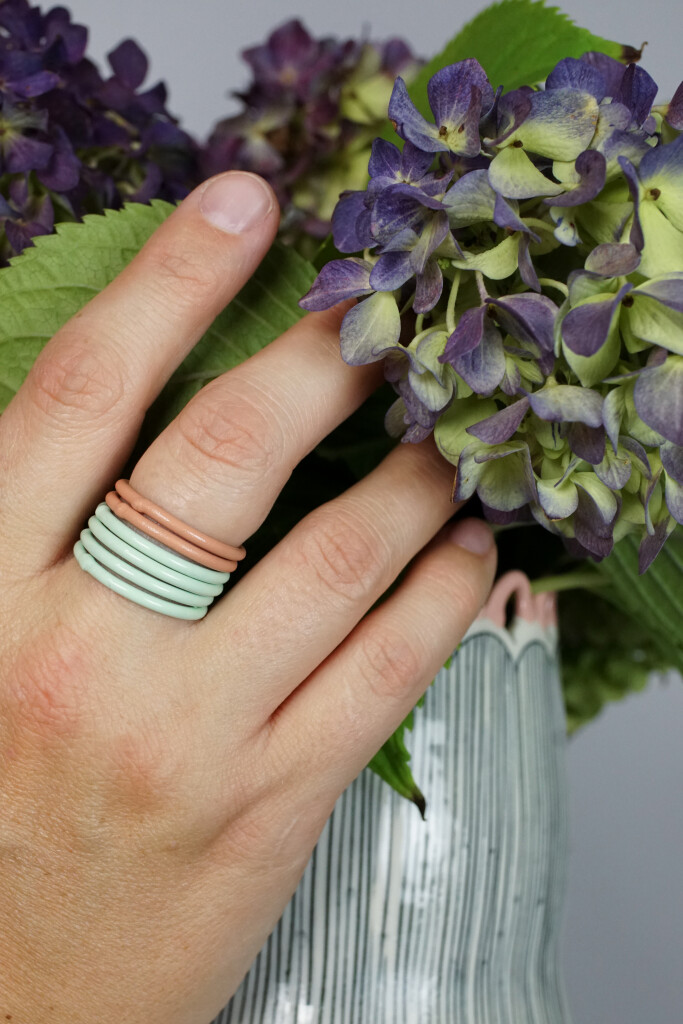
x=136 y=576
x=157 y=551
x=150 y=565
x=142 y=597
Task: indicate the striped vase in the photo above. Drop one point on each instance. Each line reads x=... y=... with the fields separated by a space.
x=452 y=920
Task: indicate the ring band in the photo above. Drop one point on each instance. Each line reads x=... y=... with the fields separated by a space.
x=177 y=526
x=156 y=550
x=143 y=560
x=125 y=511
x=147 y=564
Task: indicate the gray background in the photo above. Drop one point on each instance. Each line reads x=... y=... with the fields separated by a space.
x=624 y=915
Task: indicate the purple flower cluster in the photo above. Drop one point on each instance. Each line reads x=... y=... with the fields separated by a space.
x=71 y=141
x=520 y=265
x=308 y=118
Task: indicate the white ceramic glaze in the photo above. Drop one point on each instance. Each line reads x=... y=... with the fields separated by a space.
x=451 y=920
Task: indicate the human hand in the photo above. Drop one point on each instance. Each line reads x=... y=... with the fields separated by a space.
x=163 y=782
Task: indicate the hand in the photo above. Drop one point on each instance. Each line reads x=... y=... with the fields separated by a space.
x=163 y=782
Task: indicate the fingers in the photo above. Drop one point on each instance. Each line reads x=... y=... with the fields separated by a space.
x=222 y=462
x=71 y=426
x=300 y=601
x=333 y=725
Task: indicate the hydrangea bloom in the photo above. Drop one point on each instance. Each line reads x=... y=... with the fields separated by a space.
x=71 y=141
x=308 y=118
x=531 y=243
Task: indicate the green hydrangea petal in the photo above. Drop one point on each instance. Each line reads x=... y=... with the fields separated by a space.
x=512 y=173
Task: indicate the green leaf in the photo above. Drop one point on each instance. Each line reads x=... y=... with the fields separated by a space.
x=392 y=763
x=655 y=599
x=517 y=42
x=51 y=281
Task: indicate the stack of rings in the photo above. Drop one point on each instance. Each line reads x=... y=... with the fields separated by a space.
x=145 y=554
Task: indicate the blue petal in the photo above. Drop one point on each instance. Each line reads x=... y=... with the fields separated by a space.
x=586 y=328
x=391 y=271
x=351 y=223
x=467 y=335
x=338 y=280
x=613 y=259
x=484 y=366
x=429 y=287
x=658 y=398
x=592 y=168
x=409 y=122
x=637 y=92
x=572 y=73
x=502 y=425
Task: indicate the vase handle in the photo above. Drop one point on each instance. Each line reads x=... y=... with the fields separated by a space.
x=539 y=608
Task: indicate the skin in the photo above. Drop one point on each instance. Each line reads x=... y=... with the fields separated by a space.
x=163 y=782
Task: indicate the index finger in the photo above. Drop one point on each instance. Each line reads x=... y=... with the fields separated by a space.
x=70 y=428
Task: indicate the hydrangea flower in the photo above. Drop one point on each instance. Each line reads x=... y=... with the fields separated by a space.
x=71 y=141
x=519 y=266
x=308 y=118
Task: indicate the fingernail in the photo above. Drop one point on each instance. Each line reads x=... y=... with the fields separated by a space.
x=473 y=535
x=236 y=202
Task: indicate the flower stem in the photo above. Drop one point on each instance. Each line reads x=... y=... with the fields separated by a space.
x=549 y=282
x=580 y=580
x=450 y=310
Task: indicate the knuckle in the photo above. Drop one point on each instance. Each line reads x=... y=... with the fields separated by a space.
x=73 y=378
x=389 y=663
x=228 y=432
x=345 y=558
x=46 y=690
x=181 y=274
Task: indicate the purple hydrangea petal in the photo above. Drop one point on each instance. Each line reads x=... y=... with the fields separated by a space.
x=673 y=497
x=450 y=91
x=27 y=154
x=615 y=469
x=587 y=442
x=470 y=200
x=590 y=529
x=652 y=544
x=370 y=330
x=429 y=239
x=505 y=217
x=409 y=122
x=482 y=367
x=658 y=398
x=637 y=92
x=527 y=271
x=429 y=287
x=586 y=328
x=566 y=403
x=613 y=410
x=560 y=124
x=129 y=63
x=502 y=425
x=63 y=172
x=391 y=271
x=612 y=70
x=398 y=208
x=528 y=318
x=36 y=84
x=672 y=460
x=351 y=223
x=637 y=455
x=592 y=168
x=338 y=280
x=637 y=238
x=674 y=114
x=572 y=73
x=613 y=259
x=513 y=109
x=467 y=334
x=667 y=290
